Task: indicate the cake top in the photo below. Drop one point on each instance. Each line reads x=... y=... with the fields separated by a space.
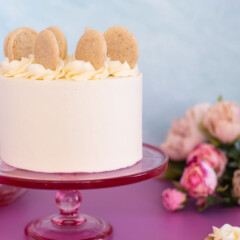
x=43 y=55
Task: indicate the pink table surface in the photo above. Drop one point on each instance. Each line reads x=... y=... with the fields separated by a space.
x=135 y=211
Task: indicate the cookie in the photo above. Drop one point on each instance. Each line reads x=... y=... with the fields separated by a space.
x=19 y=43
x=34 y=33
x=92 y=48
x=47 y=49
x=61 y=39
x=122 y=45
x=6 y=41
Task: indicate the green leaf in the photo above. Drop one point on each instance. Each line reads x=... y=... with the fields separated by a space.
x=220 y=98
x=178 y=187
x=215 y=142
x=237 y=144
x=204 y=130
x=212 y=200
x=175 y=170
x=222 y=188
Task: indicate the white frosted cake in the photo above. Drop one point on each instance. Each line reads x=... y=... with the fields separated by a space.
x=72 y=118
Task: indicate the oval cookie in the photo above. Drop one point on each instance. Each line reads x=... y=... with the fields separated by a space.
x=92 y=48
x=61 y=39
x=6 y=41
x=20 y=43
x=47 y=49
x=34 y=33
x=122 y=45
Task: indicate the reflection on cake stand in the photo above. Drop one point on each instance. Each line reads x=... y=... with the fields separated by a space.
x=9 y=194
x=68 y=223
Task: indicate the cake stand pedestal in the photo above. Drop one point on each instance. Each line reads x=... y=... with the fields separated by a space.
x=68 y=224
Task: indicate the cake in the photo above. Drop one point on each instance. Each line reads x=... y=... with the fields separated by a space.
x=79 y=116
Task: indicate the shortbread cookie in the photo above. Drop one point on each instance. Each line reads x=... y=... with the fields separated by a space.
x=61 y=39
x=20 y=44
x=92 y=48
x=6 y=43
x=122 y=45
x=47 y=49
x=34 y=34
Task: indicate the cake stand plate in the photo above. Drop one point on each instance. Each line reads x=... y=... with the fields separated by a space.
x=68 y=223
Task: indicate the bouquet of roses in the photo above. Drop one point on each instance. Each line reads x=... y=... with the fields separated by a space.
x=204 y=152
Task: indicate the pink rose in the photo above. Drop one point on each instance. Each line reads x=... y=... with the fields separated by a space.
x=199 y=179
x=223 y=121
x=185 y=133
x=173 y=199
x=208 y=153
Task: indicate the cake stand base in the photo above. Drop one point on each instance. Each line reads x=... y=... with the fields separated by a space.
x=68 y=224
x=92 y=229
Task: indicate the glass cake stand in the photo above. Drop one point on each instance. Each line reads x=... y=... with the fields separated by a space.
x=68 y=224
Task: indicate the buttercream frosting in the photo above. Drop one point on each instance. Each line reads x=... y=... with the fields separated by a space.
x=15 y=68
x=69 y=69
x=118 y=69
x=39 y=72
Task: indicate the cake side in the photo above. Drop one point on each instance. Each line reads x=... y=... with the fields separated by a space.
x=71 y=126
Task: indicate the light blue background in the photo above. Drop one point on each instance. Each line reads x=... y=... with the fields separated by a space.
x=189 y=49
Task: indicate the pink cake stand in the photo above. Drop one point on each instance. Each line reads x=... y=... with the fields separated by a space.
x=68 y=224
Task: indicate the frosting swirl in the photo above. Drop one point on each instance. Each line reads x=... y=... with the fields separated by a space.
x=80 y=70
x=39 y=72
x=118 y=69
x=15 y=68
x=70 y=69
